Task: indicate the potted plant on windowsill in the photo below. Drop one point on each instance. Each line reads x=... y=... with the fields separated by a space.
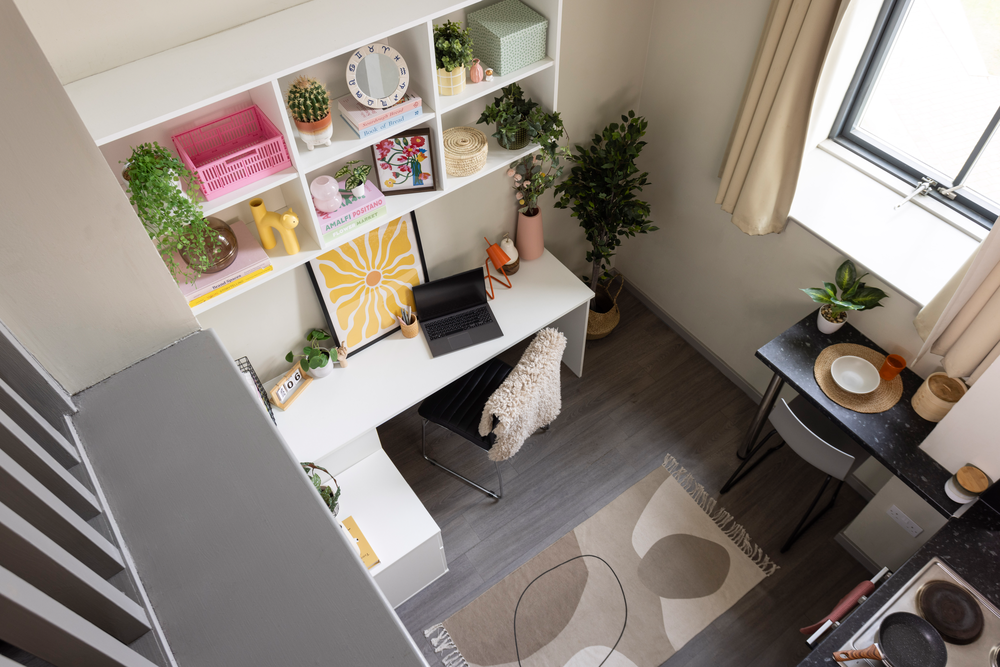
x=854 y=295
x=601 y=192
x=315 y=361
x=452 y=54
x=356 y=177
x=309 y=104
x=519 y=121
x=172 y=216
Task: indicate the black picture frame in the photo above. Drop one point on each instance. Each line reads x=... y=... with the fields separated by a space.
x=426 y=148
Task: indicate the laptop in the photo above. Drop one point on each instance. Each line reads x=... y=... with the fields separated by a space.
x=453 y=312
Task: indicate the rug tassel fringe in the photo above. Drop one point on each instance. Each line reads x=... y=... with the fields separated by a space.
x=441 y=641
x=723 y=519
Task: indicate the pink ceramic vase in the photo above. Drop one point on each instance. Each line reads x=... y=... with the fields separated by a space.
x=476 y=71
x=530 y=242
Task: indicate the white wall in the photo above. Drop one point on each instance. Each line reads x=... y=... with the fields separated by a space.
x=84 y=38
x=731 y=291
x=83 y=289
x=266 y=322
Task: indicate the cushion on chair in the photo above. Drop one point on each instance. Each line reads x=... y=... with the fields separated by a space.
x=459 y=406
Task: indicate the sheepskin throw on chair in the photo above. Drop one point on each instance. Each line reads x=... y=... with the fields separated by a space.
x=530 y=397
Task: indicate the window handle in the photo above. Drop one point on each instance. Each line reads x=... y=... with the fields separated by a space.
x=922 y=189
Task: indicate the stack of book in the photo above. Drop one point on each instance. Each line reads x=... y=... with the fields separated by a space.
x=365 y=121
x=354 y=212
x=251 y=261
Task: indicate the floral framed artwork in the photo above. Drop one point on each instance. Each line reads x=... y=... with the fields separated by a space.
x=403 y=162
x=363 y=283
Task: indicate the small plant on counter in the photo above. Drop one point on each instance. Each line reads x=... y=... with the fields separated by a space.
x=519 y=121
x=314 y=357
x=356 y=176
x=854 y=294
x=330 y=497
x=172 y=217
x=452 y=46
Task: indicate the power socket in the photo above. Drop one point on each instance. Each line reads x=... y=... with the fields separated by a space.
x=904 y=521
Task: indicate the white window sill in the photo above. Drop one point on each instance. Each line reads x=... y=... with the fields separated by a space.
x=848 y=203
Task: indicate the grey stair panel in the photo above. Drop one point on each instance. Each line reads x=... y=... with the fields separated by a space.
x=51 y=440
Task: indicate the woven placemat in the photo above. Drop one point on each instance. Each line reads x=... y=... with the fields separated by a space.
x=884 y=397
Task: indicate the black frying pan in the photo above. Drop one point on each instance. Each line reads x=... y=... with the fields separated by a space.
x=903 y=640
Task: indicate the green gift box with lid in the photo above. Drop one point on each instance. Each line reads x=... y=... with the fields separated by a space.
x=508 y=36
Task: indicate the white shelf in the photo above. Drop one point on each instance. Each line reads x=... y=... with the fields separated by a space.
x=496 y=158
x=474 y=91
x=247 y=192
x=346 y=143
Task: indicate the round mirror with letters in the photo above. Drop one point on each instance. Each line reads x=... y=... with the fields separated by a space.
x=377 y=76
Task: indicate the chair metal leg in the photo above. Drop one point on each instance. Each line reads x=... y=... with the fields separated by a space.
x=803 y=526
x=736 y=476
x=423 y=450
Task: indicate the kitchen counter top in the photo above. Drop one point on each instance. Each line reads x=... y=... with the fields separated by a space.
x=969 y=544
x=892 y=437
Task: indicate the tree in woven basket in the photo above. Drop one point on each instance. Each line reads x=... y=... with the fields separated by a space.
x=600 y=191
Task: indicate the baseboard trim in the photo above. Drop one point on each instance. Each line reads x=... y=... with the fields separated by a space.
x=693 y=341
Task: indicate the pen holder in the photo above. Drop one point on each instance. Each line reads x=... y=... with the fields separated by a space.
x=409 y=330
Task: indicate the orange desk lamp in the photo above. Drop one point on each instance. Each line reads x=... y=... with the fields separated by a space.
x=498 y=257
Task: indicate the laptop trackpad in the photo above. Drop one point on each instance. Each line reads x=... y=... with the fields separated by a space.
x=460 y=340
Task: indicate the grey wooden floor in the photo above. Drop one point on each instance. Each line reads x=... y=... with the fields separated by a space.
x=644 y=393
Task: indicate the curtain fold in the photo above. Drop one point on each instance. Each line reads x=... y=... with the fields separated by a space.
x=962 y=322
x=765 y=149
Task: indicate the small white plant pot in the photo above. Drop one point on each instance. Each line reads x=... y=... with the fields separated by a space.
x=359 y=191
x=316 y=134
x=322 y=371
x=825 y=325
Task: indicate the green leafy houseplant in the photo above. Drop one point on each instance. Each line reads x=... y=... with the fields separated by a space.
x=600 y=191
x=452 y=46
x=519 y=120
x=329 y=496
x=172 y=218
x=312 y=355
x=356 y=176
x=308 y=100
x=854 y=294
x=534 y=174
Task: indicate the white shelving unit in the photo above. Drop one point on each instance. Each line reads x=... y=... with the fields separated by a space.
x=179 y=89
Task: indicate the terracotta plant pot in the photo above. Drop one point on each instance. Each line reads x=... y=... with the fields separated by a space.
x=530 y=241
x=316 y=134
x=825 y=325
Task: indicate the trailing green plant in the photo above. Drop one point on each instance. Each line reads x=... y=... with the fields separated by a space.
x=512 y=113
x=313 y=356
x=308 y=100
x=329 y=496
x=355 y=175
x=172 y=217
x=601 y=191
x=854 y=294
x=452 y=46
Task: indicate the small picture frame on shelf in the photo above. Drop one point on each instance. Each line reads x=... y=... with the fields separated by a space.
x=403 y=162
x=363 y=284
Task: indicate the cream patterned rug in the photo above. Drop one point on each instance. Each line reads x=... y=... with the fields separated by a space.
x=653 y=568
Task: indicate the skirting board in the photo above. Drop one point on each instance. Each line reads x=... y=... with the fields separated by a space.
x=693 y=341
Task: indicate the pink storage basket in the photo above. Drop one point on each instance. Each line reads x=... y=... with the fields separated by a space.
x=233 y=151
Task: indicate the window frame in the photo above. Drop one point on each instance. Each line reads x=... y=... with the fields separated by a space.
x=887 y=26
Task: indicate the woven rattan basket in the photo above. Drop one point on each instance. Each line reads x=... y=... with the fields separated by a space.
x=464 y=151
x=600 y=325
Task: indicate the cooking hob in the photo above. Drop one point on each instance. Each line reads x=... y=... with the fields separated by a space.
x=983 y=652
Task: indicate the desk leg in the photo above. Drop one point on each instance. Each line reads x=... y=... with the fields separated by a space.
x=763 y=410
x=574 y=325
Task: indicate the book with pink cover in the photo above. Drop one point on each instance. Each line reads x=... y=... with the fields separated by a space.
x=362 y=117
x=250 y=260
x=351 y=211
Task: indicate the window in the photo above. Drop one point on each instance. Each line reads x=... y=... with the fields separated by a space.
x=925 y=101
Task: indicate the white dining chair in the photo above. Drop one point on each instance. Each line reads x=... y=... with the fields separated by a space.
x=819 y=442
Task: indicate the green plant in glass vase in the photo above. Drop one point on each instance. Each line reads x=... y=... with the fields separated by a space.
x=519 y=121
x=854 y=295
x=171 y=215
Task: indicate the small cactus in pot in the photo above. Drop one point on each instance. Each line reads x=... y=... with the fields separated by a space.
x=309 y=104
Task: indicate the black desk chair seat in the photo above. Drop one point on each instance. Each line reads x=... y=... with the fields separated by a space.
x=459 y=407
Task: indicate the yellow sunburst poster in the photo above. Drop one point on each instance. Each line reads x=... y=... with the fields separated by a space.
x=363 y=283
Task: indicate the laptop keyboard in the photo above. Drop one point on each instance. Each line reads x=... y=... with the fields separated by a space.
x=453 y=324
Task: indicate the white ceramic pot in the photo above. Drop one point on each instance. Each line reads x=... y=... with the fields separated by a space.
x=315 y=134
x=359 y=191
x=825 y=325
x=322 y=371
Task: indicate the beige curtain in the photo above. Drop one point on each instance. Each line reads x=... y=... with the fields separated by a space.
x=766 y=146
x=962 y=323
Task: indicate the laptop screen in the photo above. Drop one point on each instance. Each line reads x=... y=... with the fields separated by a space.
x=450 y=295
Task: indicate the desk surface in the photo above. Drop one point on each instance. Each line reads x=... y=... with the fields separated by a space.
x=893 y=437
x=396 y=373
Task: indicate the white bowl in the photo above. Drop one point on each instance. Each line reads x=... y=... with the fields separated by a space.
x=855 y=375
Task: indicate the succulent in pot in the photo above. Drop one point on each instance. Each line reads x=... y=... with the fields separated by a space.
x=854 y=295
x=309 y=104
x=315 y=361
x=452 y=54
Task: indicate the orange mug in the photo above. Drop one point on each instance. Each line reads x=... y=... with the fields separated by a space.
x=892 y=366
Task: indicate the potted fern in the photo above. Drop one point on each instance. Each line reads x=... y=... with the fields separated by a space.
x=854 y=295
x=309 y=104
x=601 y=191
x=171 y=215
x=356 y=177
x=519 y=120
x=452 y=54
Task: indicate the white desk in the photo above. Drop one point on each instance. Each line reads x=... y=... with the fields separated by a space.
x=333 y=423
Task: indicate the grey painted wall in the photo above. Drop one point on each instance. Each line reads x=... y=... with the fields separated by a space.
x=242 y=562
